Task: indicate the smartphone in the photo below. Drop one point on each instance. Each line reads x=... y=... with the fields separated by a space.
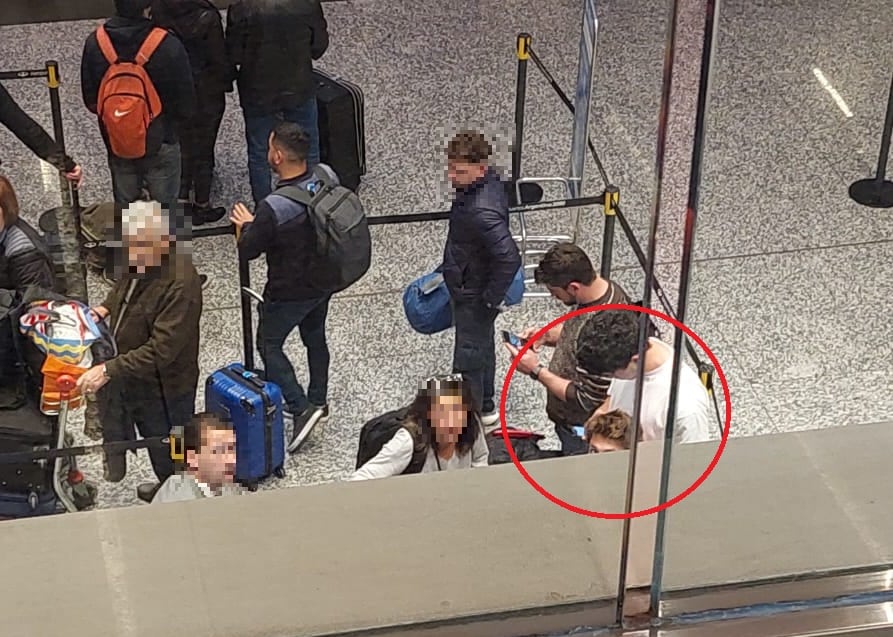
x=580 y=431
x=513 y=339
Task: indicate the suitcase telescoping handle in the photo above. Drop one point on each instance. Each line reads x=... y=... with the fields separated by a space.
x=247 y=328
x=248 y=295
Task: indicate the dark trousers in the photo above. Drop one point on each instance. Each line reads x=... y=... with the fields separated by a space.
x=474 y=350
x=197 y=140
x=278 y=319
x=121 y=412
x=259 y=125
x=160 y=173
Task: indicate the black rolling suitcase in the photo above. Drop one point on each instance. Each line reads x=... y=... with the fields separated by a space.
x=342 y=132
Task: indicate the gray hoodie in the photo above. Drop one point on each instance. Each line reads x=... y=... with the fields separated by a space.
x=181 y=487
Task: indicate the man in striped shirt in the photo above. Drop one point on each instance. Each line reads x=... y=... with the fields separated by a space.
x=573 y=395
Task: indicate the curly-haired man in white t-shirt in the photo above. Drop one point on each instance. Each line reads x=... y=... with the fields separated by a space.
x=609 y=344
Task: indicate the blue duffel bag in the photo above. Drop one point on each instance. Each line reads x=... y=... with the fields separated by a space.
x=426 y=302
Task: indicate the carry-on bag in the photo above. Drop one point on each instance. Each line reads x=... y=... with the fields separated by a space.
x=342 y=132
x=239 y=394
x=426 y=302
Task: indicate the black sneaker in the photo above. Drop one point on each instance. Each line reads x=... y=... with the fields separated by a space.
x=304 y=423
x=206 y=214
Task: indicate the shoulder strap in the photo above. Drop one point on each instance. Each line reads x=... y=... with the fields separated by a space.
x=151 y=43
x=106 y=46
x=298 y=195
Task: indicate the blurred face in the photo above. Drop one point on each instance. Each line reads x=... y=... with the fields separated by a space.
x=449 y=416
x=215 y=463
x=602 y=444
x=463 y=174
x=145 y=252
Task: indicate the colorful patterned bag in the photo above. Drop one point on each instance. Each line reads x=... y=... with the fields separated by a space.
x=61 y=329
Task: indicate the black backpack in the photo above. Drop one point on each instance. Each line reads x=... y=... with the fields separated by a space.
x=376 y=433
x=343 y=243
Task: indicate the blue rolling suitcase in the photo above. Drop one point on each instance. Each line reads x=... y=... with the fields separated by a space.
x=239 y=394
x=254 y=406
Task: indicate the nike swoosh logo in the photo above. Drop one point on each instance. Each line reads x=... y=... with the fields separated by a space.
x=120 y=114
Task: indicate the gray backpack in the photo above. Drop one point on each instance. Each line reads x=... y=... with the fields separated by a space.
x=343 y=244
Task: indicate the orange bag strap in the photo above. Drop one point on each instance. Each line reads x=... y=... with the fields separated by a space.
x=106 y=46
x=150 y=45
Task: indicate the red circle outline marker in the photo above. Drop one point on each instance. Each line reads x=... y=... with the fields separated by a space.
x=633 y=514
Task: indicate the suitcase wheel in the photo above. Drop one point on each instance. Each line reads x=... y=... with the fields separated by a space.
x=279 y=472
x=251 y=486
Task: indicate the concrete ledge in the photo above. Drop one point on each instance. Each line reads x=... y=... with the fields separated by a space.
x=341 y=558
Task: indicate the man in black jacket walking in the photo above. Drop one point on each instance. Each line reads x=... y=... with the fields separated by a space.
x=273 y=44
x=199 y=26
x=168 y=68
x=480 y=261
x=281 y=229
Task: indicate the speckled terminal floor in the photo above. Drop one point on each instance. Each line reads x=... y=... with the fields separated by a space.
x=791 y=285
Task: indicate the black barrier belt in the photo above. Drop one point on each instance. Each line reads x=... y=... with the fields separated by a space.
x=440 y=215
x=705 y=369
x=23 y=75
x=21 y=457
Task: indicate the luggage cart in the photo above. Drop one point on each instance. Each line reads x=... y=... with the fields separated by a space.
x=58 y=399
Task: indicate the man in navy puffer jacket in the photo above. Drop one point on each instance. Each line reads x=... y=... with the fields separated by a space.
x=479 y=262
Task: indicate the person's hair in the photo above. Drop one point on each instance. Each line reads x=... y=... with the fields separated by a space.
x=563 y=264
x=470 y=147
x=420 y=411
x=196 y=430
x=608 y=341
x=614 y=425
x=131 y=8
x=9 y=202
x=146 y=219
x=292 y=141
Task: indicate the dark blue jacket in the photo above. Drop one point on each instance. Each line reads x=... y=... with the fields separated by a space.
x=480 y=258
x=282 y=230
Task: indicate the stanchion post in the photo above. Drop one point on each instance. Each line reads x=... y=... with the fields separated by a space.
x=68 y=216
x=530 y=192
x=612 y=198
x=522 y=48
x=878 y=192
x=583 y=97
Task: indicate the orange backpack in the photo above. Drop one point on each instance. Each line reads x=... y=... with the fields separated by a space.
x=128 y=102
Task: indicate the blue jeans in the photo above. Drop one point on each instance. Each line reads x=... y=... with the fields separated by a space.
x=474 y=350
x=278 y=319
x=160 y=173
x=259 y=125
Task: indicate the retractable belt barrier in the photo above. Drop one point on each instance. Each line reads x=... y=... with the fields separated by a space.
x=439 y=215
x=21 y=457
x=175 y=440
